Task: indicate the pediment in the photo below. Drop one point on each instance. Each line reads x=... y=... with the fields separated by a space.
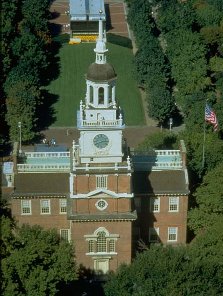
x=102 y=193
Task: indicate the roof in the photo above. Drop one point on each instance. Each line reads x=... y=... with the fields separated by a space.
x=83 y=9
x=100 y=72
x=160 y=182
x=41 y=184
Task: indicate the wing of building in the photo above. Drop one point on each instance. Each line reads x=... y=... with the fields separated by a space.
x=96 y=193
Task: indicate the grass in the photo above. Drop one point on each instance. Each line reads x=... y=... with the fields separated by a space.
x=70 y=86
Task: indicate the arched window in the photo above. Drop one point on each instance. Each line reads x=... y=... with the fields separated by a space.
x=101 y=95
x=101 y=242
x=91 y=94
x=110 y=94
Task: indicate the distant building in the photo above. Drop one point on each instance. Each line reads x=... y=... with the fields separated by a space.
x=97 y=193
x=84 y=17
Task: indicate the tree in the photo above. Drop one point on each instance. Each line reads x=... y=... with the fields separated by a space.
x=209 y=199
x=22 y=99
x=164 y=140
x=160 y=104
x=38 y=264
x=171 y=271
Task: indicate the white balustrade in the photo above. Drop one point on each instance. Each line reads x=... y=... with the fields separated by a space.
x=42 y=167
x=47 y=154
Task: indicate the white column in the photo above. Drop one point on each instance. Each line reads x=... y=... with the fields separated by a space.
x=95 y=97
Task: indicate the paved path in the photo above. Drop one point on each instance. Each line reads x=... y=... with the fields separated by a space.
x=134 y=135
x=118 y=25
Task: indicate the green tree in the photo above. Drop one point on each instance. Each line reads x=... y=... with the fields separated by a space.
x=160 y=104
x=209 y=199
x=159 y=140
x=9 y=17
x=38 y=264
x=22 y=98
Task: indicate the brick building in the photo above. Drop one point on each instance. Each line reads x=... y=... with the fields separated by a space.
x=96 y=193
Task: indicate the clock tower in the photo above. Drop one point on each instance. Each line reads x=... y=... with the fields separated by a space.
x=101 y=199
x=100 y=120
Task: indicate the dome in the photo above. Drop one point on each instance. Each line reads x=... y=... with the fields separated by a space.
x=100 y=72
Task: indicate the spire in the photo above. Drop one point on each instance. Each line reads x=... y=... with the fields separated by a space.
x=100 y=48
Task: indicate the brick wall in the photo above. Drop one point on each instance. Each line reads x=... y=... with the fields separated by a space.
x=123 y=244
x=52 y=220
x=163 y=219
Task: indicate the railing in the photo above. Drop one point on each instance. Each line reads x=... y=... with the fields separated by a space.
x=167 y=152
x=157 y=153
x=47 y=154
x=157 y=165
x=98 y=168
x=42 y=167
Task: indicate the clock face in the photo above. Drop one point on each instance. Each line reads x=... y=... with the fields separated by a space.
x=101 y=141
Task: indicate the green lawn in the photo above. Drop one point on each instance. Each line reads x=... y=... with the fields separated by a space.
x=70 y=85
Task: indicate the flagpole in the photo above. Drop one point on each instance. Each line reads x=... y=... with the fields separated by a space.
x=203 y=153
x=204 y=139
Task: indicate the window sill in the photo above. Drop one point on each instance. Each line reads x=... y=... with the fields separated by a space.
x=101 y=254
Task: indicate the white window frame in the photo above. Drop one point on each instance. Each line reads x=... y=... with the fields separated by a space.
x=154 y=231
x=67 y=237
x=29 y=206
x=63 y=208
x=172 y=231
x=41 y=207
x=98 y=204
x=106 y=245
x=174 y=204
x=102 y=181
x=138 y=204
x=155 y=202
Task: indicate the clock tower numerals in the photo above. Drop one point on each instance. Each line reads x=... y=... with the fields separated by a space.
x=101 y=141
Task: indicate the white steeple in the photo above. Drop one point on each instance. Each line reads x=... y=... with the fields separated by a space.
x=100 y=45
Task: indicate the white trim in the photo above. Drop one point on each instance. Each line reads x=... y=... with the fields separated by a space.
x=101 y=190
x=68 y=234
x=173 y=203
x=172 y=231
x=101 y=208
x=41 y=207
x=154 y=201
x=27 y=207
x=61 y=200
x=154 y=231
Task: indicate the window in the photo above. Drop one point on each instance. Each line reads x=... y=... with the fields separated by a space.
x=101 y=95
x=101 y=182
x=26 y=207
x=111 y=245
x=45 y=206
x=154 y=204
x=101 y=241
x=91 y=94
x=138 y=204
x=172 y=234
x=101 y=204
x=173 y=204
x=65 y=234
x=63 y=206
x=154 y=234
x=91 y=246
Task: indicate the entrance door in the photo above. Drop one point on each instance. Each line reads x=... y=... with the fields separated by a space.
x=102 y=265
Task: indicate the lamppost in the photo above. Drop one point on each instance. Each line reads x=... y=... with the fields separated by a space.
x=20 y=136
x=171 y=123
